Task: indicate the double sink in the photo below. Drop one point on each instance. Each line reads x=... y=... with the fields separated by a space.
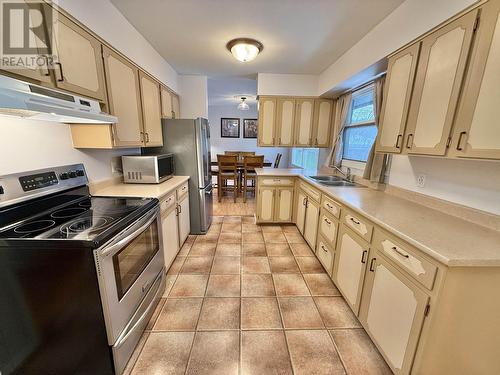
x=334 y=181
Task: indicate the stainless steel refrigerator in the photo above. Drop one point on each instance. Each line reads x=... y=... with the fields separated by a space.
x=189 y=141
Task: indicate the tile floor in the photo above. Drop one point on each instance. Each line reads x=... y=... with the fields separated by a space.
x=249 y=299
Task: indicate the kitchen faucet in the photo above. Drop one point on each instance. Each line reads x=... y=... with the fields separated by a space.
x=346 y=174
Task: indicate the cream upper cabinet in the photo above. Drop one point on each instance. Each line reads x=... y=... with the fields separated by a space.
x=440 y=70
x=284 y=205
x=350 y=265
x=398 y=88
x=304 y=112
x=285 y=121
x=122 y=80
x=322 y=124
x=477 y=133
x=166 y=103
x=267 y=119
x=80 y=67
x=184 y=219
x=311 y=223
x=265 y=204
x=393 y=312
x=151 y=110
x=176 y=106
x=301 y=210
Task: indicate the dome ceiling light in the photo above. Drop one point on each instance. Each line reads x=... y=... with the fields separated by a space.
x=243 y=106
x=244 y=49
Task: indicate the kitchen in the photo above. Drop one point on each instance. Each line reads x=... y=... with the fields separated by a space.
x=368 y=242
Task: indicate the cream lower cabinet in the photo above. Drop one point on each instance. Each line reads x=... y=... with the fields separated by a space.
x=170 y=231
x=328 y=227
x=184 y=219
x=300 y=218
x=325 y=254
x=275 y=204
x=311 y=222
x=350 y=265
x=393 y=312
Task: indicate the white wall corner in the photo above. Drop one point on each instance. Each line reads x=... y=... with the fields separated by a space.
x=193 y=91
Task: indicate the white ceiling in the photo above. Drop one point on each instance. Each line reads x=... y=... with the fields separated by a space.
x=299 y=36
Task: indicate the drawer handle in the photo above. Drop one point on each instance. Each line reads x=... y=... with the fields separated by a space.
x=399 y=252
x=325 y=250
x=329 y=206
x=276 y=180
x=371 y=265
x=363 y=256
x=355 y=221
x=327 y=221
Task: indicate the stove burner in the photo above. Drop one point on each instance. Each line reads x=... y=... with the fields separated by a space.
x=68 y=212
x=34 y=226
x=81 y=224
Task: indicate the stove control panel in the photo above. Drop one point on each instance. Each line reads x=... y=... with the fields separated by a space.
x=38 y=181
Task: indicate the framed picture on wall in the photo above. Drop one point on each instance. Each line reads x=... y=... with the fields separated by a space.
x=250 y=128
x=230 y=127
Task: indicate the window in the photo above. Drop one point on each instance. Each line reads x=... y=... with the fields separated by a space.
x=360 y=130
x=306 y=158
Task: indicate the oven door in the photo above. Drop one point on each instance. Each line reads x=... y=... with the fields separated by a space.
x=127 y=267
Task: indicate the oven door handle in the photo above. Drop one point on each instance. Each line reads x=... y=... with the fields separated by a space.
x=112 y=249
x=127 y=332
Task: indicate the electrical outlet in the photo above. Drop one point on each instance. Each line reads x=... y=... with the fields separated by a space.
x=421 y=180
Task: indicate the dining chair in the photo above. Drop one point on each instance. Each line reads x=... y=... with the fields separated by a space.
x=232 y=153
x=228 y=171
x=277 y=160
x=250 y=162
x=247 y=153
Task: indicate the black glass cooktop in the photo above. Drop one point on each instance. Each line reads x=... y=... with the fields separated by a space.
x=83 y=219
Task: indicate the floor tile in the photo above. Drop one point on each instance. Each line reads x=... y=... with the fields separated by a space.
x=300 y=312
x=294 y=238
x=226 y=266
x=359 y=353
x=255 y=265
x=253 y=237
x=289 y=229
x=189 y=286
x=309 y=265
x=336 y=313
x=301 y=249
x=312 y=352
x=184 y=251
x=223 y=286
x=290 y=284
x=264 y=352
x=228 y=249
x=155 y=315
x=164 y=353
x=283 y=265
x=274 y=237
x=135 y=354
x=257 y=285
x=271 y=228
x=217 y=219
x=248 y=219
x=176 y=265
x=230 y=238
x=253 y=249
x=231 y=228
x=260 y=313
x=278 y=250
x=232 y=219
x=320 y=284
x=191 y=238
x=203 y=248
x=194 y=265
x=215 y=353
x=214 y=236
x=179 y=314
x=214 y=228
x=169 y=281
x=220 y=314
x=250 y=228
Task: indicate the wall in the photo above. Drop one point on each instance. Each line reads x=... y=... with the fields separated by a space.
x=28 y=144
x=194 y=96
x=287 y=84
x=219 y=145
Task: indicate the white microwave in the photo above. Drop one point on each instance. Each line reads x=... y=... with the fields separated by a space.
x=147 y=169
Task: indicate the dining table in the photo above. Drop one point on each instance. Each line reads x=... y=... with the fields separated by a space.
x=239 y=163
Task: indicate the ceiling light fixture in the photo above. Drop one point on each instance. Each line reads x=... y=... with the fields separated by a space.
x=244 y=49
x=243 y=106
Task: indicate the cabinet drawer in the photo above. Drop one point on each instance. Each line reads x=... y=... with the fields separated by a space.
x=405 y=256
x=168 y=203
x=276 y=181
x=328 y=227
x=311 y=192
x=358 y=224
x=331 y=206
x=182 y=190
x=325 y=254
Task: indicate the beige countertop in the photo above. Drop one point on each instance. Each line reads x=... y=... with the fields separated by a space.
x=448 y=239
x=120 y=189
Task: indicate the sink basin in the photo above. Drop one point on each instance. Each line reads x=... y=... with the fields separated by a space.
x=327 y=178
x=334 y=181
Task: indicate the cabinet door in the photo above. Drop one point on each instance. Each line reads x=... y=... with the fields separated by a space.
x=323 y=109
x=285 y=121
x=265 y=204
x=477 y=134
x=398 y=88
x=393 y=313
x=151 y=110
x=328 y=227
x=301 y=211
x=303 y=121
x=283 y=210
x=350 y=265
x=170 y=233
x=176 y=106
x=311 y=223
x=437 y=85
x=122 y=81
x=325 y=254
x=166 y=103
x=267 y=119
x=80 y=66
x=184 y=220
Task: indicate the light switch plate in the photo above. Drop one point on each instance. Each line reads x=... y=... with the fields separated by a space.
x=421 y=180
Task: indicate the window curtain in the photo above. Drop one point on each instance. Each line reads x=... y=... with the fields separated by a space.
x=342 y=106
x=376 y=163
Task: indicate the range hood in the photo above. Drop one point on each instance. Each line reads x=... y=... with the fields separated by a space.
x=23 y=99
